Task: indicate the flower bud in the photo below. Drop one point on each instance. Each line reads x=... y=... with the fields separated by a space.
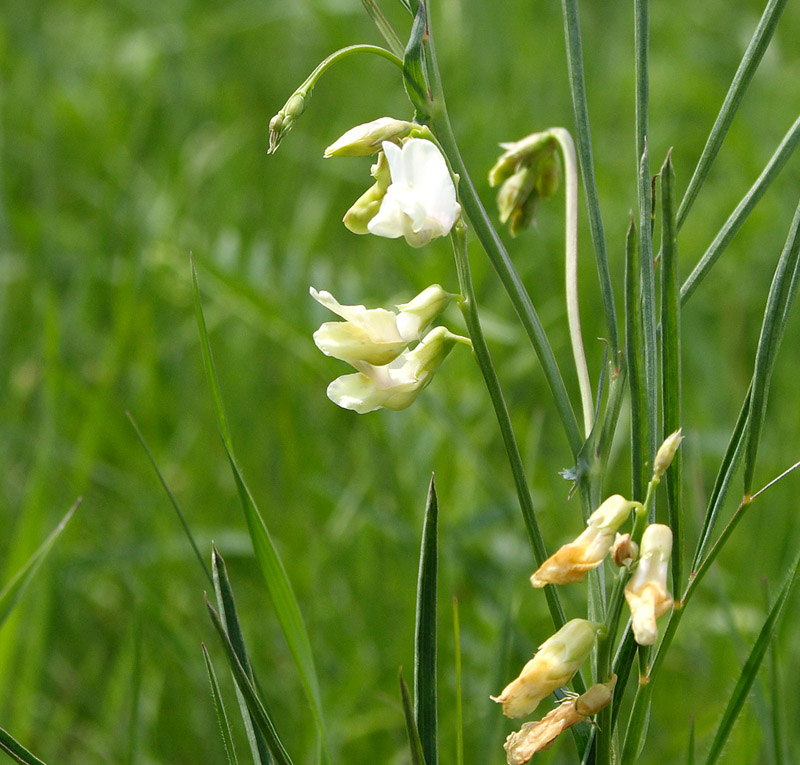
x=666 y=453
x=376 y=336
x=573 y=560
x=646 y=592
x=284 y=120
x=554 y=664
x=366 y=207
x=395 y=385
x=366 y=139
x=537 y=736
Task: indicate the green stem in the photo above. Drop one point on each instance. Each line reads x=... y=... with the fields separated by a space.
x=571 y=260
x=469 y=309
x=572 y=33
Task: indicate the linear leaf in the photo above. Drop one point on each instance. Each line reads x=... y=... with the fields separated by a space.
x=16 y=751
x=425 y=686
x=272 y=569
x=671 y=361
x=222 y=717
x=414 y=743
x=12 y=592
x=782 y=289
x=257 y=709
x=230 y=620
x=459 y=702
x=751 y=666
x=744 y=74
x=171 y=496
x=384 y=27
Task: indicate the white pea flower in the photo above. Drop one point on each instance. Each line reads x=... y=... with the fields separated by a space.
x=374 y=335
x=394 y=385
x=420 y=203
x=366 y=139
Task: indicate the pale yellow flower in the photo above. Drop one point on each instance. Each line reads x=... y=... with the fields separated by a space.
x=646 y=592
x=554 y=664
x=573 y=560
x=666 y=453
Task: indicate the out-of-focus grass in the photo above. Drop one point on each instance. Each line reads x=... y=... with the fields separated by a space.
x=134 y=133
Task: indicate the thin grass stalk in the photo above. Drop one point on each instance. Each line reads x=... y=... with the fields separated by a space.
x=16 y=751
x=744 y=74
x=750 y=669
x=574 y=48
x=781 y=293
x=459 y=695
x=384 y=27
x=742 y=211
x=425 y=685
x=671 y=362
x=469 y=309
x=219 y=705
x=496 y=252
x=414 y=741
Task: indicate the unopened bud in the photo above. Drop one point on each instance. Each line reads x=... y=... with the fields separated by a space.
x=366 y=139
x=284 y=120
x=366 y=207
x=666 y=453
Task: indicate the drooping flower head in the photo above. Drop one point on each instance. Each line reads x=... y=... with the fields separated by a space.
x=554 y=664
x=646 y=592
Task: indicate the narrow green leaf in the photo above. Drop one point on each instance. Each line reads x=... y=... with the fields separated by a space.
x=776 y=707
x=230 y=620
x=171 y=496
x=459 y=700
x=751 y=666
x=414 y=79
x=781 y=293
x=691 y=745
x=16 y=751
x=730 y=462
x=222 y=717
x=12 y=592
x=583 y=138
x=637 y=724
x=743 y=209
x=744 y=74
x=257 y=709
x=634 y=350
x=425 y=685
x=414 y=743
x=671 y=362
x=384 y=27
x=269 y=562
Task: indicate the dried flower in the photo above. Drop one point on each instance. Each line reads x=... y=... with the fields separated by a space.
x=646 y=592
x=395 y=385
x=554 y=664
x=375 y=335
x=624 y=551
x=573 y=560
x=537 y=736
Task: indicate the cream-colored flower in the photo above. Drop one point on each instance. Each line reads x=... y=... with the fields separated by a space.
x=554 y=664
x=395 y=385
x=366 y=139
x=420 y=203
x=573 y=560
x=666 y=453
x=537 y=736
x=646 y=592
x=375 y=335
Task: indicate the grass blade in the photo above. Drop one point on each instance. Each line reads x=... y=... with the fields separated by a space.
x=691 y=745
x=12 y=592
x=16 y=751
x=744 y=74
x=671 y=361
x=751 y=666
x=583 y=137
x=222 y=717
x=230 y=620
x=459 y=703
x=171 y=496
x=257 y=709
x=384 y=27
x=269 y=562
x=782 y=289
x=743 y=209
x=425 y=690
x=414 y=743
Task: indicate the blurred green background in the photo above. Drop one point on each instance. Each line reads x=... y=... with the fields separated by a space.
x=133 y=133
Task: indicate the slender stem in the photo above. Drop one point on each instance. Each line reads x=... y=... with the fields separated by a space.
x=469 y=309
x=572 y=33
x=343 y=53
x=571 y=258
x=498 y=255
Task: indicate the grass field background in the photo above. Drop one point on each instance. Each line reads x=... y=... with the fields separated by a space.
x=133 y=134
